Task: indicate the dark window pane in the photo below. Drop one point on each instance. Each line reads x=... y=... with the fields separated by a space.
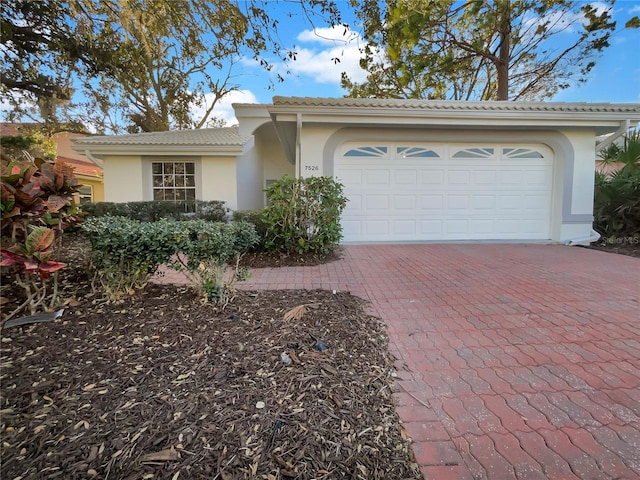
x=168 y=168
x=179 y=181
x=180 y=195
x=156 y=168
x=191 y=168
x=157 y=180
x=191 y=194
x=158 y=194
x=190 y=181
x=178 y=168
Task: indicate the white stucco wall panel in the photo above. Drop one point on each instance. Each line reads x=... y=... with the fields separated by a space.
x=219 y=181
x=312 y=145
x=274 y=162
x=583 y=142
x=249 y=175
x=123 y=179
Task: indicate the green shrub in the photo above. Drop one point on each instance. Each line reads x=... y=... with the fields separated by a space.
x=254 y=217
x=207 y=250
x=125 y=253
x=303 y=215
x=152 y=211
x=617 y=195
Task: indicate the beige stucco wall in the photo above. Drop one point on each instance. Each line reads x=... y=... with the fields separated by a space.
x=123 y=179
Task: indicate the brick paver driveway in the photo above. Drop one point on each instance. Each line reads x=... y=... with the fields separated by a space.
x=514 y=361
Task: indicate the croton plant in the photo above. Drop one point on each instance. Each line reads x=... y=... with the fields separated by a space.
x=36 y=206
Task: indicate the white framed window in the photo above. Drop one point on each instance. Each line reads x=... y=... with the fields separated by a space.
x=173 y=180
x=85 y=194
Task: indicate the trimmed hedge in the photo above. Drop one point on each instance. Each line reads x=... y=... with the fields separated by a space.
x=126 y=253
x=154 y=210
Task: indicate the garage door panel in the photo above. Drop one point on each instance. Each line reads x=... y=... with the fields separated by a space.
x=485 y=177
x=458 y=202
x=511 y=177
x=351 y=176
x=378 y=177
x=377 y=203
x=431 y=227
x=509 y=202
x=405 y=202
x=376 y=227
x=480 y=226
x=432 y=177
x=404 y=227
x=483 y=202
x=458 y=177
x=354 y=205
x=413 y=197
x=457 y=226
x=432 y=202
x=405 y=177
x=537 y=177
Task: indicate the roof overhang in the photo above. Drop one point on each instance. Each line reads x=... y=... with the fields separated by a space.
x=603 y=118
x=157 y=150
x=288 y=112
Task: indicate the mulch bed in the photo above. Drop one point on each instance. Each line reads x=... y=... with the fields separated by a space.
x=268 y=259
x=630 y=248
x=160 y=387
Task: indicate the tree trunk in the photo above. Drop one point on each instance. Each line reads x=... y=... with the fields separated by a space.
x=502 y=65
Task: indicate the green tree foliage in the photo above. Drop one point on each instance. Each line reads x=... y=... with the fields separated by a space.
x=143 y=64
x=617 y=195
x=479 y=49
x=28 y=144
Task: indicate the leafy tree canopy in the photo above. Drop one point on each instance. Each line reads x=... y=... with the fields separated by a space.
x=142 y=64
x=479 y=49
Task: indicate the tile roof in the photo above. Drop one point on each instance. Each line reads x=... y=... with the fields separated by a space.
x=458 y=105
x=84 y=168
x=225 y=136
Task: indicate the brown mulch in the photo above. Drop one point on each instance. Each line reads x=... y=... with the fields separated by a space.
x=161 y=387
x=630 y=248
x=269 y=259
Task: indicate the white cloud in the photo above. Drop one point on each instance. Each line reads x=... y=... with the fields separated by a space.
x=327 y=53
x=635 y=9
x=223 y=109
x=328 y=35
x=559 y=20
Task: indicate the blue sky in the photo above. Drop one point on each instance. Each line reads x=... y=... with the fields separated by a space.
x=616 y=77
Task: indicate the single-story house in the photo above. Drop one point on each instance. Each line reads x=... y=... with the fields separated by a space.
x=412 y=170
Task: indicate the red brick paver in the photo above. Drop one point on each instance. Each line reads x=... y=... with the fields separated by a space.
x=514 y=361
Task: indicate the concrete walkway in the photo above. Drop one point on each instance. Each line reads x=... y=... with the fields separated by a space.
x=514 y=361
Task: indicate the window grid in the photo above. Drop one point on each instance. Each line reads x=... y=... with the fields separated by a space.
x=174 y=181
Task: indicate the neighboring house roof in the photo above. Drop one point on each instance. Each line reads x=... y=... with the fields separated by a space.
x=83 y=168
x=204 y=141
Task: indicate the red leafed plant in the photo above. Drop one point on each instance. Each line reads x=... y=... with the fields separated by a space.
x=36 y=206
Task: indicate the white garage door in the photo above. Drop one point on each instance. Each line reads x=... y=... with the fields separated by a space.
x=414 y=192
